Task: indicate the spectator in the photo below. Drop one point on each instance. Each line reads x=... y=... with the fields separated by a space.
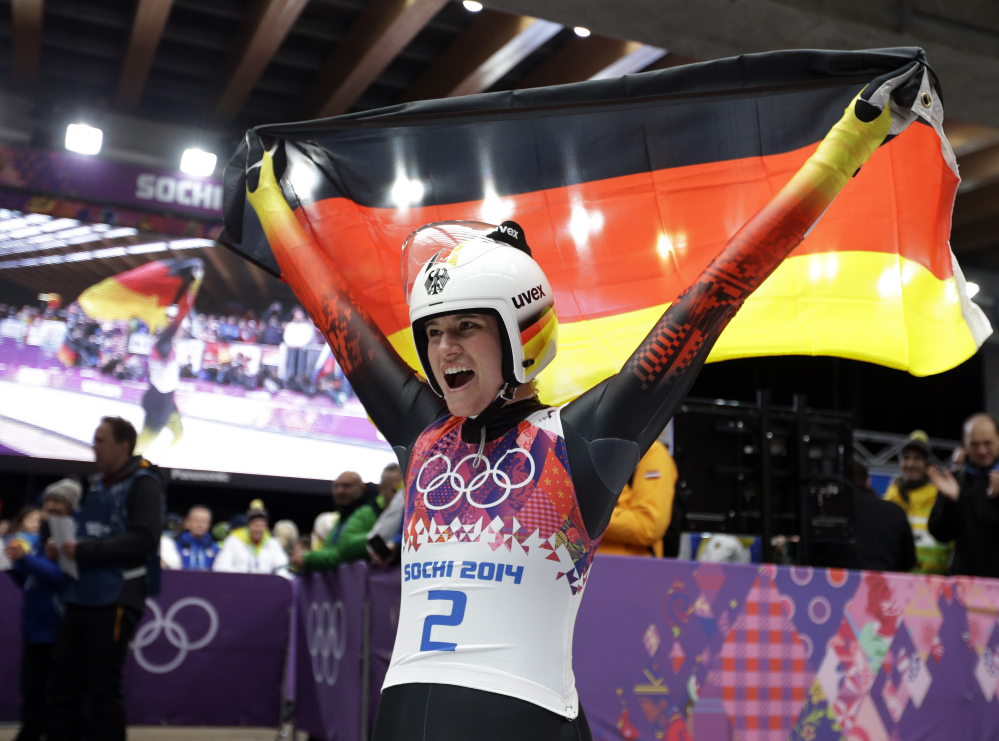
x=321 y=528
x=228 y=330
x=272 y=331
x=882 y=538
x=174 y=524
x=26 y=524
x=358 y=505
x=197 y=325
x=248 y=330
x=298 y=335
x=220 y=531
x=967 y=511
x=41 y=609
x=286 y=533
x=915 y=494
x=117 y=528
x=251 y=549
x=385 y=536
x=643 y=510
x=194 y=547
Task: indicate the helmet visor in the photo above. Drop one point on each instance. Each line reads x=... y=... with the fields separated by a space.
x=439 y=242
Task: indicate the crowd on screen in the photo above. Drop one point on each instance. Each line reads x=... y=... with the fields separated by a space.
x=308 y=367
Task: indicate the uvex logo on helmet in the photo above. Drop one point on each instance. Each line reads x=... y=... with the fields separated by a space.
x=508 y=230
x=522 y=299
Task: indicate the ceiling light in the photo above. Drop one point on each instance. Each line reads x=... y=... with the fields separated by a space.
x=190 y=244
x=124 y=231
x=472 y=6
x=582 y=31
x=198 y=162
x=83 y=139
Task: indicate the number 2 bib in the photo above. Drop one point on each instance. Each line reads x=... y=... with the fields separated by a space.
x=495 y=557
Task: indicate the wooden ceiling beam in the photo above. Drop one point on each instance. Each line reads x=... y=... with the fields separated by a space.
x=669 y=59
x=492 y=45
x=637 y=58
x=966 y=137
x=147 y=30
x=263 y=30
x=260 y=281
x=580 y=59
x=219 y=263
x=378 y=35
x=26 y=34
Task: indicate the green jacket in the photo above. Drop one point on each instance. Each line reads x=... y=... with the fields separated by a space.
x=348 y=542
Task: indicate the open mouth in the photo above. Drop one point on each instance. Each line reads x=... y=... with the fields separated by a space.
x=457 y=377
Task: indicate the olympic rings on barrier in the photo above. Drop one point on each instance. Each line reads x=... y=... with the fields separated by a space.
x=326 y=635
x=499 y=478
x=174 y=632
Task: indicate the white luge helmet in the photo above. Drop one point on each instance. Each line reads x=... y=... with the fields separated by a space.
x=468 y=266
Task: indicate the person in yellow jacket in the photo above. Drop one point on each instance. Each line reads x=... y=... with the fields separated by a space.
x=643 y=510
x=915 y=494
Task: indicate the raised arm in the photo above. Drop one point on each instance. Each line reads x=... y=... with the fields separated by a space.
x=191 y=273
x=399 y=403
x=612 y=425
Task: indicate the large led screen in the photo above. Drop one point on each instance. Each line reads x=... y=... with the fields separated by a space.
x=212 y=360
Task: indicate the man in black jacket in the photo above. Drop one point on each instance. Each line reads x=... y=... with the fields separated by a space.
x=882 y=537
x=118 y=529
x=967 y=510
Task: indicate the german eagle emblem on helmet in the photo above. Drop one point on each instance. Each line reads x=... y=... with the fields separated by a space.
x=436 y=280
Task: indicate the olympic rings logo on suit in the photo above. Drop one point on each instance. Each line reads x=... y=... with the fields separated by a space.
x=174 y=632
x=458 y=483
x=326 y=635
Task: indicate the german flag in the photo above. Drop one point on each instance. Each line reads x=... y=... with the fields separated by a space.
x=627 y=189
x=145 y=292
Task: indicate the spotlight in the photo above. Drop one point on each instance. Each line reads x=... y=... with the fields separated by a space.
x=973 y=289
x=198 y=162
x=472 y=6
x=83 y=139
x=582 y=31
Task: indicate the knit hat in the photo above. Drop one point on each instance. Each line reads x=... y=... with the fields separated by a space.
x=67 y=491
x=918 y=442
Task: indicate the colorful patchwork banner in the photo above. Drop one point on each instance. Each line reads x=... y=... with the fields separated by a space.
x=685 y=650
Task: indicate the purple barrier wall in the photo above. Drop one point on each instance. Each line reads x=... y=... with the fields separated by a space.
x=383 y=601
x=750 y=652
x=678 y=649
x=209 y=651
x=10 y=648
x=664 y=649
x=329 y=611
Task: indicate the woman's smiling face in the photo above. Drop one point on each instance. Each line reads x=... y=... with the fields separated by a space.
x=466 y=356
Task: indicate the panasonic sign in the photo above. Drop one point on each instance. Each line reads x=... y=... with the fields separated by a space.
x=182 y=191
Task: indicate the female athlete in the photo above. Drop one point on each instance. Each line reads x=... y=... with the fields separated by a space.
x=506 y=498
